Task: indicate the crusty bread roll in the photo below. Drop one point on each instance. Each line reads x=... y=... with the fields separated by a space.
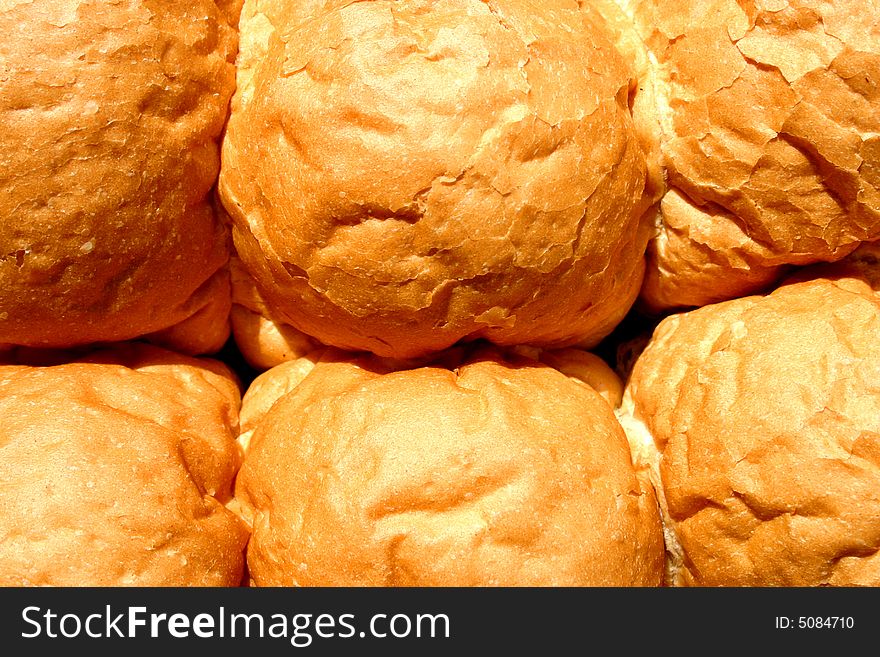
x=769 y=115
x=111 y=115
x=499 y=472
x=115 y=469
x=766 y=415
x=405 y=175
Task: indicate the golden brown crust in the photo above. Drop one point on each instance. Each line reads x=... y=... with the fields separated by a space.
x=770 y=122
x=109 y=149
x=497 y=473
x=207 y=328
x=263 y=340
x=767 y=414
x=588 y=368
x=115 y=470
x=643 y=92
x=701 y=255
x=272 y=385
x=439 y=185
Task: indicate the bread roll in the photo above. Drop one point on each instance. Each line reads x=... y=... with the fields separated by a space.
x=115 y=470
x=769 y=116
x=402 y=176
x=766 y=415
x=111 y=115
x=494 y=473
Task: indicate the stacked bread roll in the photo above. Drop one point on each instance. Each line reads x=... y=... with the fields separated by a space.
x=301 y=293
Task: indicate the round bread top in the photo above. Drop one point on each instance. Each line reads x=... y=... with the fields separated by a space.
x=115 y=470
x=770 y=121
x=111 y=115
x=496 y=473
x=405 y=175
x=767 y=413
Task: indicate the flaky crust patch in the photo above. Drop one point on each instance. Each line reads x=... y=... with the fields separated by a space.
x=769 y=115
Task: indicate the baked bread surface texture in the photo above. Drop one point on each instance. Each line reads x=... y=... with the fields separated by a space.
x=765 y=413
x=402 y=176
x=769 y=120
x=112 y=114
x=498 y=472
x=115 y=470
